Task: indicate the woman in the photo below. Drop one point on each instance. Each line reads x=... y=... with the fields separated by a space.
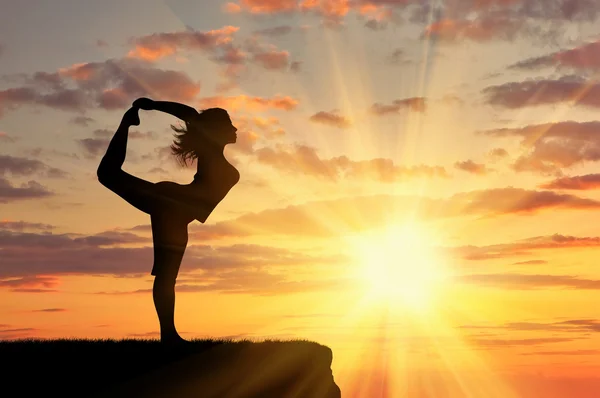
x=173 y=206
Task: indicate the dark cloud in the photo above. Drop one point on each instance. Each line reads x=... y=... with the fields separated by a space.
x=29 y=190
x=571 y=89
x=17 y=333
x=20 y=226
x=18 y=166
x=584 y=57
x=51 y=310
x=397 y=57
x=27 y=255
x=93 y=146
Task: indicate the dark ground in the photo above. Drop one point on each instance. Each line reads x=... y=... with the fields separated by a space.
x=145 y=368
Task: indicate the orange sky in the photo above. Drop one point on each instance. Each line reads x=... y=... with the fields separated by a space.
x=418 y=187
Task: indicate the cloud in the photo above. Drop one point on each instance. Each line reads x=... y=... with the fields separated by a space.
x=111 y=84
x=302 y=159
x=276 y=31
x=83 y=121
x=331 y=119
x=51 y=310
x=569 y=326
x=563 y=353
x=501 y=343
x=397 y=57
x=531 y=262
x=554 y=146
x=29 y=190
x=471 y=167
x=250 y=103
x=332 y=12
x=27 y=256
x=483 y=21
x=527 y=282
x=515 y=95
x=273 y=59
x=16 y=333
x=498 y=153
x=525 y=247
x=4 y=137
x=417 y=104
x=93 y=146
x=585 y=182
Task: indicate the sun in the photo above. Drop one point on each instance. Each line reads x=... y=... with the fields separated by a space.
x=401 y=264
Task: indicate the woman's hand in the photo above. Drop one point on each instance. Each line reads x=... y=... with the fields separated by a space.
x=143 y=103
x=131 y=117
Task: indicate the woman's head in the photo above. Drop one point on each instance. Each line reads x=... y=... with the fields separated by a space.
x=211 y=130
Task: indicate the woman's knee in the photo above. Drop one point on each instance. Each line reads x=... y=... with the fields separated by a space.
x=164 y=281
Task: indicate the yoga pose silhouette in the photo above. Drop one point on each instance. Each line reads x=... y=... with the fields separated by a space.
x=173 y=206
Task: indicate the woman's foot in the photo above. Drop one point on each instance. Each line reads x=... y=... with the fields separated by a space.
x=174 y=340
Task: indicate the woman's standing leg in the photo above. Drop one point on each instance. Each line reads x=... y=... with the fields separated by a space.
x=163 y=293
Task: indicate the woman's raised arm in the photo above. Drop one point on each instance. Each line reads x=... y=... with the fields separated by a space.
x=183 y=112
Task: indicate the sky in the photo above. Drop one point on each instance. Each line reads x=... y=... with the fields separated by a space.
x=418 y=183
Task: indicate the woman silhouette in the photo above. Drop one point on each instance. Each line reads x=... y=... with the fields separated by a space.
x=173 y=206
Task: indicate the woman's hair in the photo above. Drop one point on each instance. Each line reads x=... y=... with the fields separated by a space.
x=190 y=139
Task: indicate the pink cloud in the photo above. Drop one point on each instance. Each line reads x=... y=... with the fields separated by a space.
x=159 y=45
x=250 y=103
x=585 y=182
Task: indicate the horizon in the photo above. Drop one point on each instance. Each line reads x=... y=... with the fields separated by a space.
x=418 y=183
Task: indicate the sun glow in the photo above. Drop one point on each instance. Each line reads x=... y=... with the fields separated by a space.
x=401 y=264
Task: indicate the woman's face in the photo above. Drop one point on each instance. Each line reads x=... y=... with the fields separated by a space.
x=219 y=127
